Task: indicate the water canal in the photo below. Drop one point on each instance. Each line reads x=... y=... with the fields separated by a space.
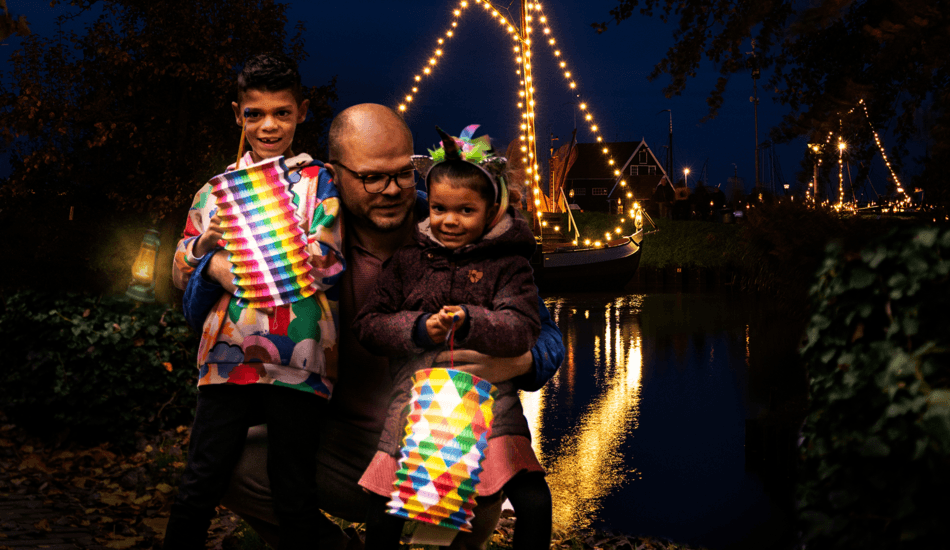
x=674 y=415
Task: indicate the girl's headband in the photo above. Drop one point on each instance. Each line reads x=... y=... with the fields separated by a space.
x=477 y=152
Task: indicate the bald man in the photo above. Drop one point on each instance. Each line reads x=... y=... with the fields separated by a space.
x=366 y=141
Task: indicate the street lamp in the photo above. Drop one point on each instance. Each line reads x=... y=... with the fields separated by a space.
x=841 y=147
x=816 y=149
x=686 y=177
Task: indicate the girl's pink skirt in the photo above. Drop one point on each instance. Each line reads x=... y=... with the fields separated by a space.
x=505 y=456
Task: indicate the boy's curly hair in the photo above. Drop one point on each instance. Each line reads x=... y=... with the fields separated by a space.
x=270 y=72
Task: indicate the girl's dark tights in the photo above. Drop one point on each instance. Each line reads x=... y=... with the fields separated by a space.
x=382 y=530
x=529 y=496
x=531 y=499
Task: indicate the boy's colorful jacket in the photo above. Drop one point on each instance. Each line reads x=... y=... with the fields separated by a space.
x=296 y=346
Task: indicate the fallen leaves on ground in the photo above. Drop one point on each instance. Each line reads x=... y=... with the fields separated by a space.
x=122 y=499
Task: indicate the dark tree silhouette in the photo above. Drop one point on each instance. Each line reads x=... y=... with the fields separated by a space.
x=120 y=117
x=133 y=112
x=824 y=57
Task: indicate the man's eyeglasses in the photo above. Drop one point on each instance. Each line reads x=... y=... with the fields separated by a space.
x=377 y=183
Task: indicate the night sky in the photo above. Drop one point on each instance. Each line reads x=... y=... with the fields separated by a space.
x=375 y=48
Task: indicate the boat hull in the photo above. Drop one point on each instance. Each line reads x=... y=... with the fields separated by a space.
x=590 y=269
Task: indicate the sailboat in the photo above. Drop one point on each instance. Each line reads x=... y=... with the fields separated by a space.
x=569 y=265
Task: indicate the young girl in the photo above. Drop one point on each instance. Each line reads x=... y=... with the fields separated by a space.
x=469 y=267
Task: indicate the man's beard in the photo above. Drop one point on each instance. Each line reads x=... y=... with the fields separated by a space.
x=388 y=225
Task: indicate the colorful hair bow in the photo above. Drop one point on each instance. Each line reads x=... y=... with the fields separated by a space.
x=478 y=152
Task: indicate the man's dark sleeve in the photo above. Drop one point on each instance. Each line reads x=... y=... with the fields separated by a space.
x=200 y=294
x=548 y=353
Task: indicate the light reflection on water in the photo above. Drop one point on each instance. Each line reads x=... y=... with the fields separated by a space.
x=644 y=428
x=589 y=464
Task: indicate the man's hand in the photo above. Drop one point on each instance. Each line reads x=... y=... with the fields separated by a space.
x=439 y=324
x=493 y=369
x=209 y=239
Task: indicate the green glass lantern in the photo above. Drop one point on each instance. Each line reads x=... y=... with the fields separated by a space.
x=142 y=287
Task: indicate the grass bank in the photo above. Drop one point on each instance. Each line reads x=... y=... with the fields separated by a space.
x=776 y=250
x=675 y=243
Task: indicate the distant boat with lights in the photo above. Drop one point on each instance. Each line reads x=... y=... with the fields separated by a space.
x=565 y=267
x=574 y=265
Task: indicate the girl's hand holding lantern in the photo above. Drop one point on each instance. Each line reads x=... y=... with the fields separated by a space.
x=439 y=324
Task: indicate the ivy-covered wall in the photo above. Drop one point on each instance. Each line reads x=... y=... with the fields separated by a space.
x=100 y=368
x=875 y=453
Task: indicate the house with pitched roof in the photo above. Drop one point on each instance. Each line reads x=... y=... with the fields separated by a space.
x=592 y=185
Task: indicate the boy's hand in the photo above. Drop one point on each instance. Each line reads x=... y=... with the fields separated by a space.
x=219 y=271
x=209 y=239
x=439 y=324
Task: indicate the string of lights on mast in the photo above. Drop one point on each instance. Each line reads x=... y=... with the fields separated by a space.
x=904 y=200
x=532 y=15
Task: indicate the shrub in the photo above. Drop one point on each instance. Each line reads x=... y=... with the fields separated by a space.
x=99 y=368
x=876 y=441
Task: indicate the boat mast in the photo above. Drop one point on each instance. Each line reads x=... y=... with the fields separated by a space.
x=537 y=200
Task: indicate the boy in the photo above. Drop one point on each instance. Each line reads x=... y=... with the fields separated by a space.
x=275 y=366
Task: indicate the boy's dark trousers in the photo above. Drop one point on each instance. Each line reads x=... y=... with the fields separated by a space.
x=224 y=414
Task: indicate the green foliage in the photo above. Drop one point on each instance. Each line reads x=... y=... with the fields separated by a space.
x=876 y=451
x=102 y=369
